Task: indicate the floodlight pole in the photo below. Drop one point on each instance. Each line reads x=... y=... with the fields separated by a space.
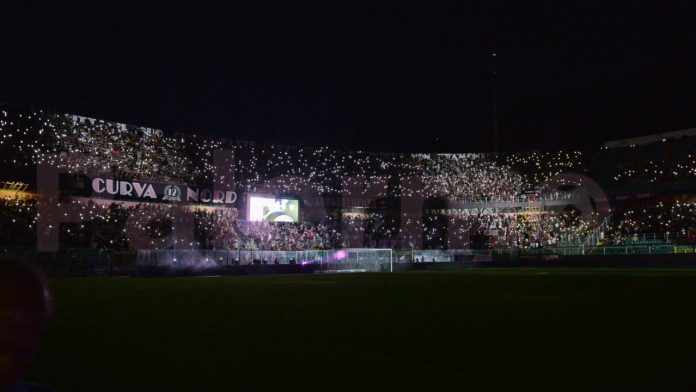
x=496 y=138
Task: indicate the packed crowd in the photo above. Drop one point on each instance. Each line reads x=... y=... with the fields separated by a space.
x=161 y=226
x=80 y=145
x=221 y=229
x=537 y=167
x=95 y=147
x=511 y=230
x=89 y=146
x=468 y=177
x=675 y=218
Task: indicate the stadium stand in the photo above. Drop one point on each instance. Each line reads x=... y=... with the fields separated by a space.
x=346 y=199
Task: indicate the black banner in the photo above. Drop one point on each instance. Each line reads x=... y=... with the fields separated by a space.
x=145 y=191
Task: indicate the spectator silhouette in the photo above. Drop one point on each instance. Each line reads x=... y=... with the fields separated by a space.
x=25 y=309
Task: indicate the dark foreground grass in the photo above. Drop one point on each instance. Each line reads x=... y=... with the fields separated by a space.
x=508 y=329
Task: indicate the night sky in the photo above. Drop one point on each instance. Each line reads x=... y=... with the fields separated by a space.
x=361 y=75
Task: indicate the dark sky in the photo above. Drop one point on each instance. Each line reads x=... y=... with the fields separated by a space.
x=368 y=75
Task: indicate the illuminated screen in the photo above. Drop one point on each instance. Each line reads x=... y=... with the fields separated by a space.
x=270 y=209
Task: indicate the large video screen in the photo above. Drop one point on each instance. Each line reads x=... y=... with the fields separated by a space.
x=271 y=209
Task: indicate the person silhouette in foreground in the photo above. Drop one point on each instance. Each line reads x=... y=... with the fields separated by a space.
x=25 y=309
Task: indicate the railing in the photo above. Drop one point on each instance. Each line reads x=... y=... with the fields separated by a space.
x=366 y=259
x=635 y=250
x=105 y=262
x=452 y=255
x=489 y=254
x=597 y=234
x=648 y=237
x=521 y=198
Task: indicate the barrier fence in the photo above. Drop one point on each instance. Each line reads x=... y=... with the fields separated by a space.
x=339 y=259
x=523 y=198
x=101 y=261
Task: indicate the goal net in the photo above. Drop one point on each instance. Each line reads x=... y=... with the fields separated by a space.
x=356 y=260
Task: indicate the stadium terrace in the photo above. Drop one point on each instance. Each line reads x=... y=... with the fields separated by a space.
x=76 y=184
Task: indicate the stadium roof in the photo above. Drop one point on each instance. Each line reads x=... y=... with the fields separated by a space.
x=658 y=137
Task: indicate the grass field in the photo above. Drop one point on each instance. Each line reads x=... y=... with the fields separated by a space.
x=514 y=329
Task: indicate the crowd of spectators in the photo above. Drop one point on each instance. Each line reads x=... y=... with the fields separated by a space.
x=468 y=177
x=93 y=147
x=222 y=229
x=665 y=221
x=161 y=226
x=510 y=230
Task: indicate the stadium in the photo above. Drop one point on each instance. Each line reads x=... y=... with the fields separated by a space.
x=84 y=197
x=520 y=249
x=347 y=196
x=99 y=197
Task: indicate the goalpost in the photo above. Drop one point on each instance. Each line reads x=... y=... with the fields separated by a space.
x=358 y=260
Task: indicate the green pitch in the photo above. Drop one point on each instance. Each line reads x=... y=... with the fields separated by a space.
x=511 y=329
